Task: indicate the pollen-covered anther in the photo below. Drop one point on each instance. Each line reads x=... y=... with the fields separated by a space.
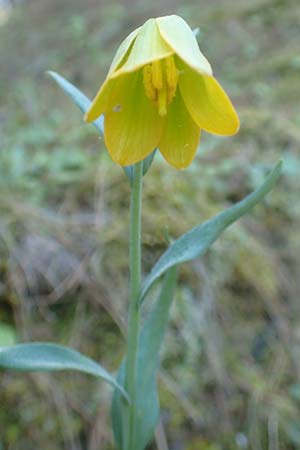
x=172 y=77
x=147 y=81
x=172 y=72
x=157 y=75
x=162 y=101
x=160 y=80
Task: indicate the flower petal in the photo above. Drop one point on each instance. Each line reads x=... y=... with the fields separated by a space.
x=178 y=35
x=132 y=126
x=181 y=135
x=208 y=103
x=148 y=47
x=99 y=103
x=123 y=49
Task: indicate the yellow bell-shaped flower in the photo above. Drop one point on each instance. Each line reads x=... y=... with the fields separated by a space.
x=160 y=92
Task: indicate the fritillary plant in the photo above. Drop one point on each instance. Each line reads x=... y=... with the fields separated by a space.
x=159 y=94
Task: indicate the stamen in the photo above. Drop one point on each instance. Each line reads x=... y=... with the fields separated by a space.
x=148 y=85
x=172 y=72
x=162 y=101
x=157 y=75
x=160 y=79
x=171 y=93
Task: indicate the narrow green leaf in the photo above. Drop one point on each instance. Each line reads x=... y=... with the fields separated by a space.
x=47 y=357
x=195 y=242
x=83 y=103
x=151 y=339
x=147 y=402
x=80 y=99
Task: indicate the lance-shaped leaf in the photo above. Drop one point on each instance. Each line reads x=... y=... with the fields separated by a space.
x=194 y=243
x=146 y=402
x=80 y=99
x=47 y=357
x=83 y=103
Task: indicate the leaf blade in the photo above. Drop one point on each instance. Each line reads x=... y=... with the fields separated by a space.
x=150 y=341
x=195 y=242
x=78 y=97
x=48 y=357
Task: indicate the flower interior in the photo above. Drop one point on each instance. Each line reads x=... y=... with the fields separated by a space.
x=160 y=80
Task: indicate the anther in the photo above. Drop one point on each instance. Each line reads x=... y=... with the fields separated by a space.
x=162 y=101
x=160 y=79
x=172 y=72
x=147 y=81
x=157 y=75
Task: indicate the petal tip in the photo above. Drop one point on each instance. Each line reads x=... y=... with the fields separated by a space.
x=181 y=39
x=235 y=125
x=178 y=165
x=88 y=116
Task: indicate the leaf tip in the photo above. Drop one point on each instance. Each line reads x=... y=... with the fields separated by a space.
x=51 y=73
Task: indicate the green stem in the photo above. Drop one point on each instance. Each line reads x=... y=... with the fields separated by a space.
x=135 y=285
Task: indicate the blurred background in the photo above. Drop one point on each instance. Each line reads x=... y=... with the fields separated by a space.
x=230 y=375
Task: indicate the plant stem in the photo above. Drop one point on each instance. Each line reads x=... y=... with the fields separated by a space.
x=135 y=284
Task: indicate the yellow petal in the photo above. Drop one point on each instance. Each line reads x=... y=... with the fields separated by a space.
x=207 y=103
x=178 y=35
x=180 y=137
x=123 y=49
x=132 y=126
x=148 y=47
x=99 y=103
